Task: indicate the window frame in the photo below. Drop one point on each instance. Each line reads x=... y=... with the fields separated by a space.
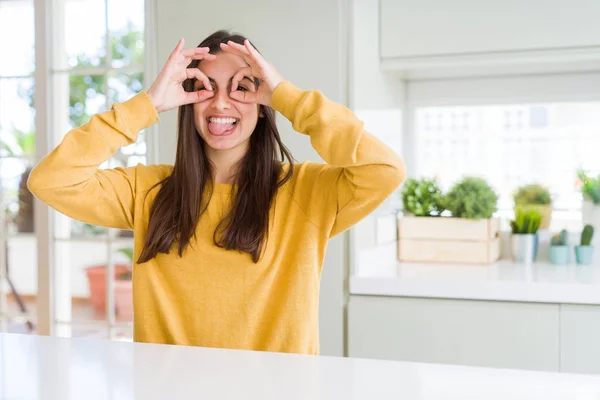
x=47 y=20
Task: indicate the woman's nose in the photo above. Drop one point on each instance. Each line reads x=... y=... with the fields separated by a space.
x=221 y=99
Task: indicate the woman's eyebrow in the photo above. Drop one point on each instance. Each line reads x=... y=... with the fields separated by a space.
x=213 y=82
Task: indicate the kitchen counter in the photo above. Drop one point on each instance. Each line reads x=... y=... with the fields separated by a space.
x=502 y=281
x=50 y=368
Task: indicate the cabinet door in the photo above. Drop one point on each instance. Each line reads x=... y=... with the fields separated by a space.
x=478 y=333
x=424 y=28
x=579 y=339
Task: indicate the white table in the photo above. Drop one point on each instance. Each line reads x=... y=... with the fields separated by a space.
x=49 y=368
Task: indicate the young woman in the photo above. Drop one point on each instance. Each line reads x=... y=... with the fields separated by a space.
x=230 y=240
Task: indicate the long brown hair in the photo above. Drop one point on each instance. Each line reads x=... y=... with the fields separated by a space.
x=185 y=194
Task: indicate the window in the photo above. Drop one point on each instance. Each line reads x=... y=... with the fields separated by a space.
x=97 y=50
x=510 y=131
x=97 y=61
x=17 y=148
x=511 y=145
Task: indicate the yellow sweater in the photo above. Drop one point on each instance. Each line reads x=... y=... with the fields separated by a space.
x=213 y=297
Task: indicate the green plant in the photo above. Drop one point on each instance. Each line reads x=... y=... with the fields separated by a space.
x=93 y=229
x=18 y=143
x=532 y=194
x=24 y=143
x=527 y=221
x=590 y=187
x=586 y=235
x=471 y=198
x=127 y=252
x=422 y=197
x=560 y=239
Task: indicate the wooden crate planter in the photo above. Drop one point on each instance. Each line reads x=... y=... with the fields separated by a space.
x=448 y=240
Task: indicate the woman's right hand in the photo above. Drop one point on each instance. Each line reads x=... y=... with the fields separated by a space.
x=167 y=90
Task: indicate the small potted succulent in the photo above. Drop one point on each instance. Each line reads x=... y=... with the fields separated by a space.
x=422 y=197
x=524 y=229
x=584 y=251
x=559 y=248
x=590 y=190
x=538 y=197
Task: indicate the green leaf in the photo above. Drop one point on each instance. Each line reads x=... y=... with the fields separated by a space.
x=532 y=194
x=472 y=198
x=422 y=197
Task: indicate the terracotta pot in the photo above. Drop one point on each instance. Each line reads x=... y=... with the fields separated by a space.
x=124 y=300
x=546 y=211
x=97 y=283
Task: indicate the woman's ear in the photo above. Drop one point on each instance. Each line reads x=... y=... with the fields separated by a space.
x=261 y=114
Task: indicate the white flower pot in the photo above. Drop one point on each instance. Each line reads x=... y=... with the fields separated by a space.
x=591 y=215
x=523 y=248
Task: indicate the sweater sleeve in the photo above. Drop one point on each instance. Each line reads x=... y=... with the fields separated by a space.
x=69 y=180
x=361 y=171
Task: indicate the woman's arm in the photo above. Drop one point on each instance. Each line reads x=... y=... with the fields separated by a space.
x=69 y=179
x=361 y=172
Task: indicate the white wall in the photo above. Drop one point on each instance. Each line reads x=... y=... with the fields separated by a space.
x=378 y=99
x=306 y=42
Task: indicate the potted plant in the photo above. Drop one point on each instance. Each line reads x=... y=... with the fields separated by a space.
x=559 y=248
x=535 y=196
x=422 y=197
x=524 y=228
x=590 y=190
x=469 y=235
x=123 y=288
x=122 y=276
x=584 y=251
x=471 y=198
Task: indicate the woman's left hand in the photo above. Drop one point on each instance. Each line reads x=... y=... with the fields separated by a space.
x=258 y=68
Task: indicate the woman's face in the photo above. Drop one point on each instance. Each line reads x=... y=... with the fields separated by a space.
x=223 y=122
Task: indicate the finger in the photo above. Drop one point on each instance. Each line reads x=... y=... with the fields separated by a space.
x=246 y=71
x=177 y=49
x=241 y=49
x=185 y=61
x=253 y=52
x=196 y=50
x=195 y=73
x=197 y=97
x=230 y=49
x=245 y=97
x=203 y=57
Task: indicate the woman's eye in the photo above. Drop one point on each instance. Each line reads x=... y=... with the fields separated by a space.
x=242 y=88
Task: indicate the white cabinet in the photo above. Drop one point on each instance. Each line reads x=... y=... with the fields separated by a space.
x=420 y=28
x=479 y=333
x=423 y=39
x=580 y=339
